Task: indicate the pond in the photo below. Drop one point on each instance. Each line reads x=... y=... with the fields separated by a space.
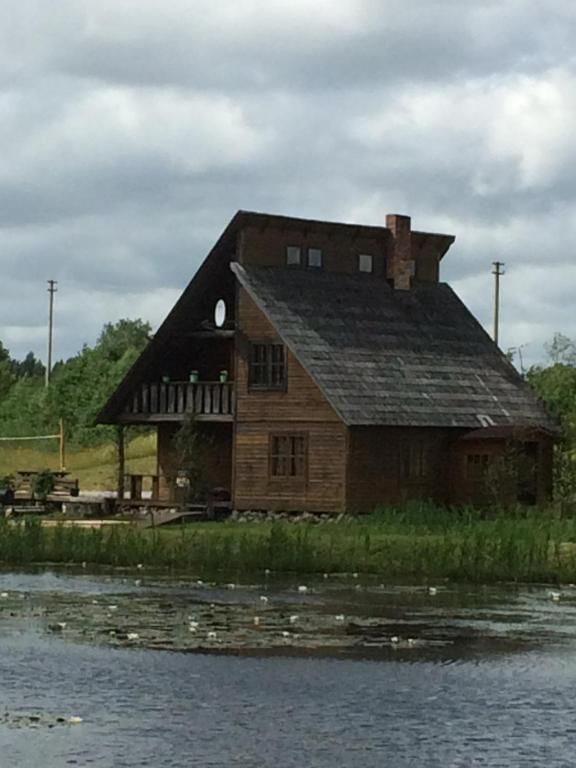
x=132 y=669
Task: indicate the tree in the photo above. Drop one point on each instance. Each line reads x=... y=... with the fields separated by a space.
x=556 y=385
x=79 y=386
x=30 y=367
x=118 y=338
x=6 y=373
x=561 y=350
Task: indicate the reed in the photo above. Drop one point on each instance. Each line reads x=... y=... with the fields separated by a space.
x=420 y=543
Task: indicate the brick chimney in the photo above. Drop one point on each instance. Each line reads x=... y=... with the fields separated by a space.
x=400 y=265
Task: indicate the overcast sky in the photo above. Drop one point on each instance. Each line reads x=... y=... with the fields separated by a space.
x=132 y=130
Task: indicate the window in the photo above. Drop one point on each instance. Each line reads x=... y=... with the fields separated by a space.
x=414 y=461
x=288 y=456
x=293 y=255
x=365 y=262
x=315 y=258
x=267 y=366
x=476 y=465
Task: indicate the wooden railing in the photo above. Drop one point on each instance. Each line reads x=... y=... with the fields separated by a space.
x=178 y=398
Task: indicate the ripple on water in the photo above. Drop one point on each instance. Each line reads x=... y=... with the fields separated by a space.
x=481 y=684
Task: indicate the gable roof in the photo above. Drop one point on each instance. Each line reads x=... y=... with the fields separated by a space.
x=177 y=317
x=401 y=358
x=220 y=254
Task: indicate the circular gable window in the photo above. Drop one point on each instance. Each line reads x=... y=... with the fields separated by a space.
x=220 y=313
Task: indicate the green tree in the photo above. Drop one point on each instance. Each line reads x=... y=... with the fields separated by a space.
x=30 y=367
x=118 y=338
x=79 y=386
x=556 y=385
x=6 y=373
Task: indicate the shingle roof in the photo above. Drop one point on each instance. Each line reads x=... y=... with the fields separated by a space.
x=384 y=357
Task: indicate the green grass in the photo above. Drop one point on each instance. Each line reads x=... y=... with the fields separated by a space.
x=421 y=543
x=95 y=467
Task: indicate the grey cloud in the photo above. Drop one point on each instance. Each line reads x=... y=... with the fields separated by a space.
x=134 y=130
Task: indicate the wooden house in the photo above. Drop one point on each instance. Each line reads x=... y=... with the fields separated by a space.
x=325 y=368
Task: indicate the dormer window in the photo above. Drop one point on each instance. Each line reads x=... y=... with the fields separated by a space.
x=365 y=262
x=315 y=258
x=293 y=256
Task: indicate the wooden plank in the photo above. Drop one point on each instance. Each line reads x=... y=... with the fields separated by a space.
x=181 y=398
x=216 y=398
x=153 y=398
x=162 y=398
x=145 y=399
x=171 y=398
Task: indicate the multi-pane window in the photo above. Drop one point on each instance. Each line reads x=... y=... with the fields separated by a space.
x=288 y=456
x=315 y=258
x=365 y=262
x=267 y=366
x=476 y=465
x=293 y=255
x=415 y=461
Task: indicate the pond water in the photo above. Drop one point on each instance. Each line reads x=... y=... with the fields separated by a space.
x=171 y=672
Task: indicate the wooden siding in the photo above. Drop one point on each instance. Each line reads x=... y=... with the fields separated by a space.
x=466 y=489
x=216 y=460
x=267 y=247
x=376 y=473
x=301 y=400
x=321 y=490
x=300 y=408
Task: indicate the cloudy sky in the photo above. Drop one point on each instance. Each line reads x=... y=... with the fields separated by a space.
x=132 y=130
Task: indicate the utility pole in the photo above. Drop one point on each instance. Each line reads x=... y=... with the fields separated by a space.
x=497 y=272
x=51 y=290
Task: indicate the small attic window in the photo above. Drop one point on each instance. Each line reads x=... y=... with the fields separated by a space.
x=293 y=256
x=315 y=258
x=365 y=262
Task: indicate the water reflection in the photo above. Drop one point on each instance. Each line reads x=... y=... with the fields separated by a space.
x=487 y=680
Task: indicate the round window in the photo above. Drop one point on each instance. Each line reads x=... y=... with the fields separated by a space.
x=220 y=313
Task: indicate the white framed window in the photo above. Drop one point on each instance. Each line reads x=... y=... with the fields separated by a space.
x=293 y=255
x=365 y=262
x=315 y=258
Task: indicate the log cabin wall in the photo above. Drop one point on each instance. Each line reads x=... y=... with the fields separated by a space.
x=425 y=255
x=340 y=245
x=471 y=460
x=321 y=490
x=300 y=409
x=216 y=459
x=390 y=465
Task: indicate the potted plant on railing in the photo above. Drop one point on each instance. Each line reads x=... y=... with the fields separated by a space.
x=193 y=377
x=223 y=377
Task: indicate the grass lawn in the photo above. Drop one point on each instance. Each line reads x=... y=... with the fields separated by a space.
x=95 y=467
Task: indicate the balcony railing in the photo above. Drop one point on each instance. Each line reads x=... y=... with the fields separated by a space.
x=208 y=401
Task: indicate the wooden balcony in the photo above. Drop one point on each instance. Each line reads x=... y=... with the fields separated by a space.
x=173 y=401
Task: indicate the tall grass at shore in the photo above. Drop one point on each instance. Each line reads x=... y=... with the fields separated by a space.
x=395 y=544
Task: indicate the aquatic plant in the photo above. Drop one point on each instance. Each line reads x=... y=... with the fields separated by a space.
x=423 y=543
